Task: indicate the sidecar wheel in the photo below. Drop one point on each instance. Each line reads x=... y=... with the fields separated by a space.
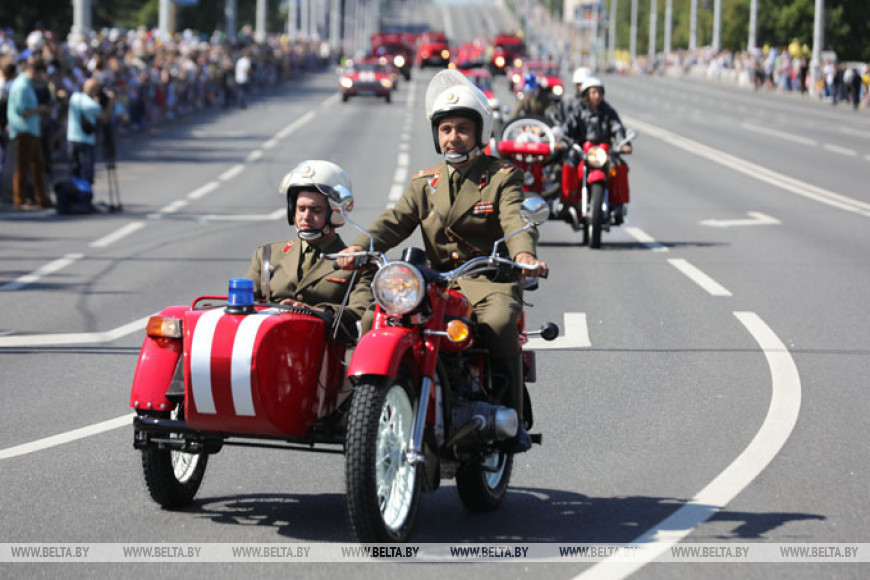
x=383 y=490
x=596 y=219
x=173 y=477
x=482 y=487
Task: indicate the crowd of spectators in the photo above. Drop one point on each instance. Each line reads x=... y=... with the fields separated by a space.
x=152 y=79
x=785 y=69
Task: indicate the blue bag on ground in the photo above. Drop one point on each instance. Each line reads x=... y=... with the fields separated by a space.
x=74 y=196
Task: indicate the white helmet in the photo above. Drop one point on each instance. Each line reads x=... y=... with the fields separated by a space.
x=323 y=177
x=591 y=82
x=450 y=93
x=580 y=74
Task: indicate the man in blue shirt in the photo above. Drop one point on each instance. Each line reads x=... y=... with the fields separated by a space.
x=83 y=119
x=23 y=112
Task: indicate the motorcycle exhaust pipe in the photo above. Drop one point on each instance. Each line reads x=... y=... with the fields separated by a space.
x=485 y=422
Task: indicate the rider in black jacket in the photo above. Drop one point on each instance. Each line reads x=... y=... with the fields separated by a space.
x=594 y=119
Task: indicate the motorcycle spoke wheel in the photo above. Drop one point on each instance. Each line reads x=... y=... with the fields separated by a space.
x=382 y=487
x=483 y=486
x=173 y=477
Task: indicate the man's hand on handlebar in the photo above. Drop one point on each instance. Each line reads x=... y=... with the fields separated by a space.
x=528 y=259
x=348 y=263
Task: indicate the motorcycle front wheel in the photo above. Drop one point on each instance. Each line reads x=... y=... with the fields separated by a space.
x=596 y=217
x=173 y=477
x=482 y=486
x=383 y=490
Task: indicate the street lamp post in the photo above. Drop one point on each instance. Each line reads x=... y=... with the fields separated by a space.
x=633 y=40
x=653 y=26
x=693 y=26
x=717 y=25
x=818 y=44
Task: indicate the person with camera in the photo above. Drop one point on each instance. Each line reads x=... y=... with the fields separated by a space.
x=87 y=109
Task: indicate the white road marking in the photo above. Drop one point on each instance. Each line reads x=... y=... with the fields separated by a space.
x=396 y=192
x=840 y=150
x=269 y=144
x=40 y=273
x=118 y=234
x=254 y=156
x=231 y=172
x=203 y=190
x=62 y=438
x=74 y=337
x=645 y=239
x=401 y=175
x=781 y=135
x=756 y=218
x=403 y=160
x=782 y=415
x=756 y=171
x=286 y=131
x=699 y=277
x=573 y=334
x=273 y=215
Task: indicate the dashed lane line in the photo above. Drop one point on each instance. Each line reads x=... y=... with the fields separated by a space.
x=36 y=275
x=698 y=277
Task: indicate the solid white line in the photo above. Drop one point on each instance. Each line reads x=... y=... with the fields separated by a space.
x=274 y=215
x=62 y=438
x=575 y=334
x=841 y=150
x=699 y=277
x=756 y=171
x=231 y=172
x=645 y=239
x=39 y=273
x=118 y=234
x=204 y=190
x=74 y=337
x=781 y=135
x=782 y=415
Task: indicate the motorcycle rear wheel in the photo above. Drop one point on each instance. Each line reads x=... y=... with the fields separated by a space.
x=482 y=488
x=383 y=489
x=173 y=477
x=596 y=217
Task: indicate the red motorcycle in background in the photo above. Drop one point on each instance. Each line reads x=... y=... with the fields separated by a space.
x=416 y=403
x=590 y=196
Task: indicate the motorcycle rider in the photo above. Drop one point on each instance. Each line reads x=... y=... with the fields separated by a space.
x=596 y=121
x=534 y=101
x=462 y=206
x=293 y=272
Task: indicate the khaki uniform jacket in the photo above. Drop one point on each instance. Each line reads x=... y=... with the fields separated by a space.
x=322 y=286
x=487 y=207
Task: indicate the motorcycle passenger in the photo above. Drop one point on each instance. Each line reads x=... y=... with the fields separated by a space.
x=462 y=206
x=596 y=121
x=580 y=74
x=293 y=272
x=534 y=101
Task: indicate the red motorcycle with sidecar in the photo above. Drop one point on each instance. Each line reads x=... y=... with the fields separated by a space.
x=417 y=402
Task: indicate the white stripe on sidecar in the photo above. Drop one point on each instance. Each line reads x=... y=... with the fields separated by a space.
x=200 y=361
x=240 y=373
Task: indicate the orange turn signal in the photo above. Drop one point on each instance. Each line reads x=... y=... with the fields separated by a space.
x=163 y=327
x=458 y=331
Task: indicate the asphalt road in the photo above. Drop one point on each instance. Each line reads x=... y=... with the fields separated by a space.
x=720 y=398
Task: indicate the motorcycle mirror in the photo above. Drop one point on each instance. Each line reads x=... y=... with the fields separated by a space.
x=535 y=210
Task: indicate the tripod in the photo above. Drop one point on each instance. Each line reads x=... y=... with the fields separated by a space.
x=111 y=171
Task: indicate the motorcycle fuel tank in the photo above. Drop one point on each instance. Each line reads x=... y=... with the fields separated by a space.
x=256 y=373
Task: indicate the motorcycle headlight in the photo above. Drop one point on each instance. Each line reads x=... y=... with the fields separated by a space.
x=346 y=83
x=399 y=288
x=596 y=157
x=499 y=61
x=387 y=83
x=558 y=90
x=399 y=61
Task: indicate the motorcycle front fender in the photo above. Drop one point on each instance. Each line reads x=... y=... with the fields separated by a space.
x=158 y=359
x=380 y=352
x=596 y=175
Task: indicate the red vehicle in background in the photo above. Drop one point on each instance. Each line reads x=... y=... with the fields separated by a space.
x=366 y=77
x=433 y=49
x=508 y=50
x=546 y=73
x=395 y=49
x=482 y=79
x=471 y=54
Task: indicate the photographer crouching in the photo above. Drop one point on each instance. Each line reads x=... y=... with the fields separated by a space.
x=89 y=110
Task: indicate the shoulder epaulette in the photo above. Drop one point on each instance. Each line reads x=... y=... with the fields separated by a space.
x=426 y=173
